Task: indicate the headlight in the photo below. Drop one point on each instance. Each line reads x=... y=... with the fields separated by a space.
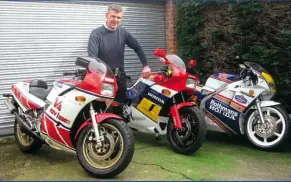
x=107 y=89
x=191 y=83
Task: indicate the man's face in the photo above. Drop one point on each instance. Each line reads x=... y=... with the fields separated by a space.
x=113 y=19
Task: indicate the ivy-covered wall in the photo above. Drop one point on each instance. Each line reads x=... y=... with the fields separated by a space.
x=215 y=33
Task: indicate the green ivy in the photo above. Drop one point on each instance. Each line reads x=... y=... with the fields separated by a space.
x=215 y=33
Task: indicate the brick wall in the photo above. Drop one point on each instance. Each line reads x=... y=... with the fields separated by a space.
x=172 y=47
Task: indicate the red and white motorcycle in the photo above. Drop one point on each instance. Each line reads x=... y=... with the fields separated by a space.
x=157 y=105
x=71 y=116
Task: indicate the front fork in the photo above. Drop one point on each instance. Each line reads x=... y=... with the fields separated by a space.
x=260 y=111
x=259 y=107
x=176 y=115
x=98 y=137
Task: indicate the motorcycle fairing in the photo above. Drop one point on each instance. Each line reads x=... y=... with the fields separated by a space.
x=225 y=77
x=151 y=100
x=222 y=114
x=134 y=93
x=59 y=87
x=26 y=100
x=57 y=131
x=59 y=115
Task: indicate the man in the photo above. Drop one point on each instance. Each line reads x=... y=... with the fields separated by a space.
x=108 y=43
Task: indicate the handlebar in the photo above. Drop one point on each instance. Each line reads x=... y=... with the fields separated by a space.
x=164 y=71
x=77 y=72
x=69 y=73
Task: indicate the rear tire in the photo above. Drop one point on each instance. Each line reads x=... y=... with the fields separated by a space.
x=26 y=143
x=113 y=156
x=192 y=138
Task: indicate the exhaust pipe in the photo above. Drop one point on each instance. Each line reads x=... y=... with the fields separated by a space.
x=25 y=127
x=9 y=105
x=20 y=121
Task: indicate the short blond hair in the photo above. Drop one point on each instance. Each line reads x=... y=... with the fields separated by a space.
x=115 y=7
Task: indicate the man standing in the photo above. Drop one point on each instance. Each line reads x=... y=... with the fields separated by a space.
x=108 y=44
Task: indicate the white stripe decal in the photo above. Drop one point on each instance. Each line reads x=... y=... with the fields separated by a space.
x=60 y=135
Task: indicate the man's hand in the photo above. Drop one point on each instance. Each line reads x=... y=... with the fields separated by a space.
x=146 y=72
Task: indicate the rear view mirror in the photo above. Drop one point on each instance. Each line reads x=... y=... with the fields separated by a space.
x=83 y=62
x=192 y=63
x=160 y=53
x=162 y=60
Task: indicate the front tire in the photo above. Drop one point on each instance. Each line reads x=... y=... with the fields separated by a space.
x=273 y=133
x=113 y=156
x=26 y=143
x=191 y=139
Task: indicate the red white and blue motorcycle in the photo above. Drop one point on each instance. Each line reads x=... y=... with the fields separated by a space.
x=241 y=105
x=157 y=105
x=71 y=116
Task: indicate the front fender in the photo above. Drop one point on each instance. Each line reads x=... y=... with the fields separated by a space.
x=174 y=112
x=185 y=104
x=266 y=103
x=99 y=118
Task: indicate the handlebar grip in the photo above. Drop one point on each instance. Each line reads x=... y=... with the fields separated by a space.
x=7 y=95
x=69 y=73
x=81 y=71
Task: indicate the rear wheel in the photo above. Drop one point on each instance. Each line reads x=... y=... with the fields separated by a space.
x=25 y=142
x=115 y=153
x=192 y=135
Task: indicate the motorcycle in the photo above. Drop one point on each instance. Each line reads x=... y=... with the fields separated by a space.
x=156 y=105
x=241 y=105
x=70 y=116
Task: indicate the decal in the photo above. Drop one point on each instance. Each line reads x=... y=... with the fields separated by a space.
x=156 y=98
x=149 y=109
x=237 y=106
x=63 y=119
x=220 y=109
x=53 y=112
x=58 y=84
x=247 y=94
x=58 y=104
x=222 y=98
x=240 y=99
x=219 y=123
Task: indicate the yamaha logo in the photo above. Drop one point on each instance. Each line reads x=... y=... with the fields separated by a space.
x=156 y=98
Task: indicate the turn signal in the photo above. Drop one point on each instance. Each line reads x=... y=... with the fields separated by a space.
x=115 y=104
x=166 y=92
x=252 y=92
x=193 y=98
x=80 y=98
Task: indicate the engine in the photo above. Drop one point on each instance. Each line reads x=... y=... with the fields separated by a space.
x=32 y=118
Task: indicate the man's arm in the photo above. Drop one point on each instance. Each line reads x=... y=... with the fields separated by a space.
x=93 y=45
x=132 y=43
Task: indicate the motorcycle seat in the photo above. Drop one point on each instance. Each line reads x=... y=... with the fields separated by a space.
x=38 y=83
x=39 y=89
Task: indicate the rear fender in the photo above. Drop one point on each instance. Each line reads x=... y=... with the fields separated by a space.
x=174 y=112
x=99 y=118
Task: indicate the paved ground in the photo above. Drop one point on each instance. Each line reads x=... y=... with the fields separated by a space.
x=220 y=158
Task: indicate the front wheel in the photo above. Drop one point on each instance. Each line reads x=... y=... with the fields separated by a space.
x=272 y=133
x=192 y=135
x=115 y=153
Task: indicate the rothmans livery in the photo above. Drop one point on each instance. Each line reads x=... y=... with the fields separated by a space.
x=240 y=105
